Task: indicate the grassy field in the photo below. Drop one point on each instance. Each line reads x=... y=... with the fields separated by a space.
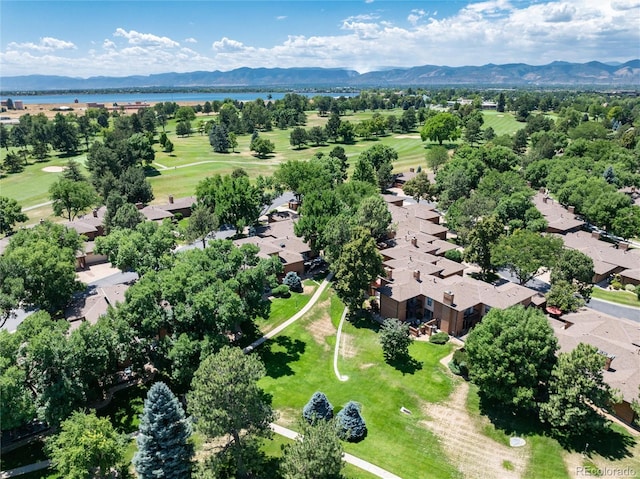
x=299 y=362
x=502 y=123
x=178 y=173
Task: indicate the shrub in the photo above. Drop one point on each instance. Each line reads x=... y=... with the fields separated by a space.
x=281 y=291
x=454 y=255
x=638 y=292
x=458 y=363
x=439 y=338
x=630 y=287
x=317 y=408
x=616 y=284
x=293 y=281
x=351 y=425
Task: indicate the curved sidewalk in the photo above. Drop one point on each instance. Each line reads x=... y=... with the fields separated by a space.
x=336 y=351
x=362 y=464
x=292 y=319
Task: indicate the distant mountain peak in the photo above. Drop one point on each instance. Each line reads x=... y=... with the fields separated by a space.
x=557 y=73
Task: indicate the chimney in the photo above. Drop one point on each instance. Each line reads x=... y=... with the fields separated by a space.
x=412 y=170
x=448 y=298
x=95 y=212
x=139 y=205
x=623 y=246
x=595 y=235
x=170 y=199
x=608 y=358
x=414 y=241
x=571 y=209
x=389 y=273
x=416 y=275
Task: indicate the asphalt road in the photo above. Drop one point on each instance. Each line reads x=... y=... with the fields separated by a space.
x=606 y=307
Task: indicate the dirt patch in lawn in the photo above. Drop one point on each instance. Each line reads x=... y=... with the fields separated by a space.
x=322 y=327
x=288 y=417
x=53 y=169
x=347 y=348
x=477 y=456
x=367 y=365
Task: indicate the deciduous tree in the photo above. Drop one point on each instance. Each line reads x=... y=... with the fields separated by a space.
x=440 y=127
x=511 y=354
x=574 y=267
x=357 y=266
x=395 y=339
x=482 y=237
x=86 y=446
x=526 y=254
x=38 y=266
x=201 y=222
x=577 y=392
x=70 y=198
x=10 y=214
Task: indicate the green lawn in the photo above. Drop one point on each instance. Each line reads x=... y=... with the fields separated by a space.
x=625 y=298
x=300 y=362
x=502 y=123
x=178 y=173
x=283 y=308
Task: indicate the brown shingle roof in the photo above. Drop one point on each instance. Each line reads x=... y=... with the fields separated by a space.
x=616 y=336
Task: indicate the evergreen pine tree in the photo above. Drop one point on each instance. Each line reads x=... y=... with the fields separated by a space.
x=164 y=448
x=219 y=139
x=317 y=408
x=351 y=425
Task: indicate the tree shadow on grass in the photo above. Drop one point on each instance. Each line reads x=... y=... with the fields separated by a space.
x=510 y=421
x=406 y=364
x=276 y=360
x=151 y=171
x=362 y=320
x=607 y=442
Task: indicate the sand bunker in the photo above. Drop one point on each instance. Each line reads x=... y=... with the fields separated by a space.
x=53 y=169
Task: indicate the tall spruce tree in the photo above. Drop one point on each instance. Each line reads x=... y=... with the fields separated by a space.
x=164 y=447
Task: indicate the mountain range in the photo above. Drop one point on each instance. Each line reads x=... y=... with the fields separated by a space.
x=513 y=74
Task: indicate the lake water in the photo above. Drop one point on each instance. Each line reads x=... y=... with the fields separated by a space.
x=153 y=98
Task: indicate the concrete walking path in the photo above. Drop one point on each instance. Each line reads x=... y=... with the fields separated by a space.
x=39 y=205
x=18 y=471
x=292 y=319
x=362 y=464
x=336 y=352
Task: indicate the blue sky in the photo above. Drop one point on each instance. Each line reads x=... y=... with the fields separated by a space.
x=118 y=38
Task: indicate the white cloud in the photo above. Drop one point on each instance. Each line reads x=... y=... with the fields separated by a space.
x=363 y=17
x=227 y=45
x=46 y=44
x=190 y=40
x=148 y=39
x=415 y=16
x=281 y=17
x=495 y=31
